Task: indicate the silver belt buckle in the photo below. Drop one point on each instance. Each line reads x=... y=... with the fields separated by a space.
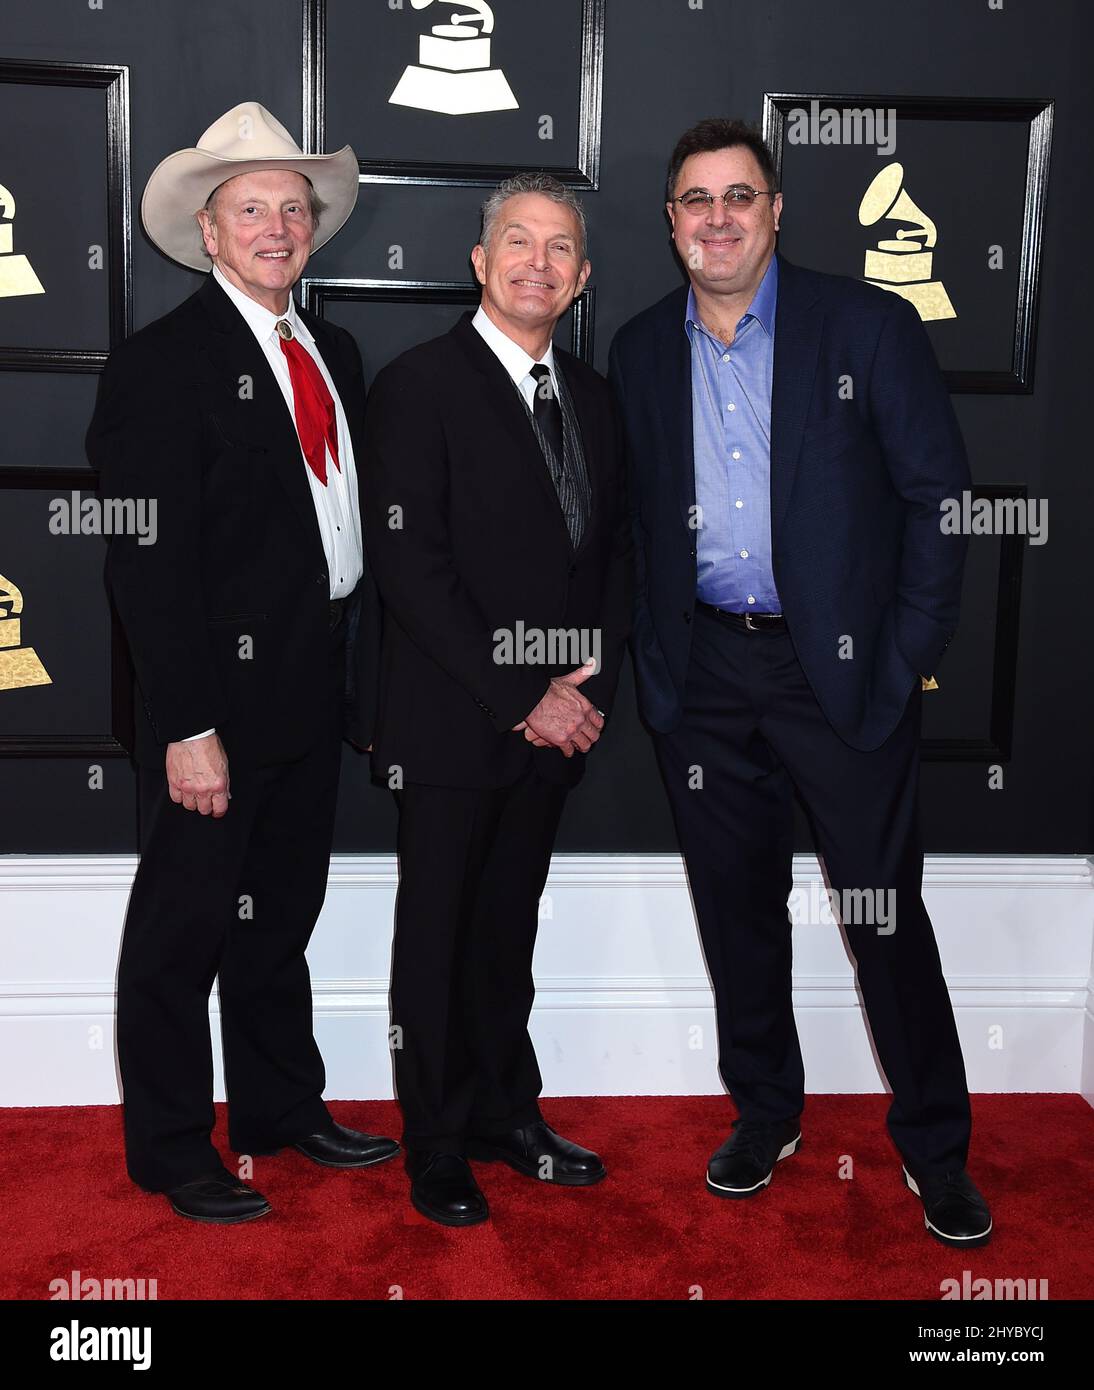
x=749 y=624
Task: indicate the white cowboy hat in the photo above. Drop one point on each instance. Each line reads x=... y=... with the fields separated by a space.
x=243 y=140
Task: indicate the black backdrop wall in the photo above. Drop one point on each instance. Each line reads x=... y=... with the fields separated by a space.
x=1002 y=161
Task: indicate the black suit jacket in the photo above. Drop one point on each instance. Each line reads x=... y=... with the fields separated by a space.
x=189 y=413
x=864 y=449
x=467 y=539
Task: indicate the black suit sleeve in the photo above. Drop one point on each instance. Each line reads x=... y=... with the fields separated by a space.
x=365 y=629
x=405 y=490
x=925 y=456
x=145 y=441
x=615 y=620
x=641 y=630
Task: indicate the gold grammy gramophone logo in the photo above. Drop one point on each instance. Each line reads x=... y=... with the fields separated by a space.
x=903 y=263
x=19 y=666
x=16 y=273
x=453 y=73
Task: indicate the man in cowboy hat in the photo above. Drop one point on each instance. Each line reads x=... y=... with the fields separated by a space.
x=253 y=626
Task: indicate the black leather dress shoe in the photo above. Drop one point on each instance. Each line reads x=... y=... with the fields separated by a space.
x=219 y=1198
x=745 y=1162
x=443 y=1187
x=339 y=1147
x=538 y=1152
x=953 y=1210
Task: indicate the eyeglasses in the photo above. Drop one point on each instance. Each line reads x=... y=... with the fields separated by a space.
x=738 y=195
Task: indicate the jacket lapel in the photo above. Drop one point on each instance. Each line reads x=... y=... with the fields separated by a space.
x=799 y=320
x=673 y=395
x=349 y=392
x=234 y=352
x=588 y=417
x=510 y=414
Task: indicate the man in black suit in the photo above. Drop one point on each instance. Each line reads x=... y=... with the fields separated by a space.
x=790 y=442
x=253 y=626
x=495 y=525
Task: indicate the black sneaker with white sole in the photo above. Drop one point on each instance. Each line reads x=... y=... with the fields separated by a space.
x=953 y=1210
x=744 y=1164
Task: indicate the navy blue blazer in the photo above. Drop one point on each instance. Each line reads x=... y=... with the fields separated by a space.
x=864 y=449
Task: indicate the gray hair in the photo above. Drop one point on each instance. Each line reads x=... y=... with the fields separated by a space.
x=316 y=205
x=549 y=187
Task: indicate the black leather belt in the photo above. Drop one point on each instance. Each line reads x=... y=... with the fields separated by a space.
x=747 y=622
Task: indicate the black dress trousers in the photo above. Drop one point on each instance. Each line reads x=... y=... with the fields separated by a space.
x=752 y=736
x=232 y=900
x=472 y=866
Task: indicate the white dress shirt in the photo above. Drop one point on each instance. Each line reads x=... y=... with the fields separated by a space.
x=513 y=357
x=336 y=506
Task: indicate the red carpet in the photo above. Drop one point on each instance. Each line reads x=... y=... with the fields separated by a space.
x=650 y=1230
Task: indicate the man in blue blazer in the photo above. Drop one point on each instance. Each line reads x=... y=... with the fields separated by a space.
x=790 y=441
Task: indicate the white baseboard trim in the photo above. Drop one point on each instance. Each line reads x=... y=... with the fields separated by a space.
x=623 y=1004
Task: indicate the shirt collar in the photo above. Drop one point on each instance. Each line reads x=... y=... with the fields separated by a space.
x=258 y=318
x=762 y=307
x=511 y=355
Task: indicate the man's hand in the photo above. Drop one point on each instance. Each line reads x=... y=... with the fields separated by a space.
x=197 y=775
x=564 y=718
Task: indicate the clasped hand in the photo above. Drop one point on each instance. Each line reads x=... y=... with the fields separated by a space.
x=564 y=718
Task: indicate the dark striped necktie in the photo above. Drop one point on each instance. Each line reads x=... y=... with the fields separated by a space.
x=546 y=409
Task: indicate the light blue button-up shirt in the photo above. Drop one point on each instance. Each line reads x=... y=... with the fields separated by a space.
x=731 y=434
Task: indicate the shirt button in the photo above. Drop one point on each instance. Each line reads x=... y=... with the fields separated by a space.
x=736 y=453
x=751 y=599
x=738 y=503
x=731 y=406
x=725 y=356
x=744 y=554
